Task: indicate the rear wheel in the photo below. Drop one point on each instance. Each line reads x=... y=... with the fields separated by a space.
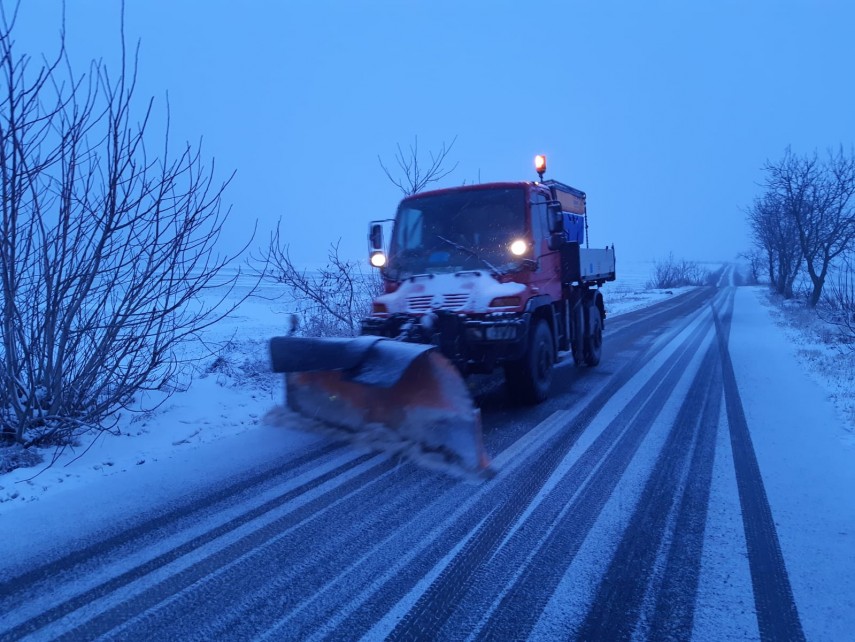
x=530 y=377
x=593 y=336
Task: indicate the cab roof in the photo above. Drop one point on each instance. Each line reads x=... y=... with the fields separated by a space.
x=545 y=185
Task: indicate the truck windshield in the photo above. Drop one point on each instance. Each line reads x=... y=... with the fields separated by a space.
x=457 y=230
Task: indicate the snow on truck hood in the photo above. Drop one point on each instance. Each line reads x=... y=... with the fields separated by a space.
x=458 y=292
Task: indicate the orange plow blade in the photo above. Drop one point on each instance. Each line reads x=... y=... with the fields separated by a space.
x=370 y=383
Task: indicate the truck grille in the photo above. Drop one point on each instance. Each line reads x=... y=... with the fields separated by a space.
x=454 y=301
x=419 y=303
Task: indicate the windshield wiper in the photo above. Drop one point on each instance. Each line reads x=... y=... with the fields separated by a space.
x=470 y=252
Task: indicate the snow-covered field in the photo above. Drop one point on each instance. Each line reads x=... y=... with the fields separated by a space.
x=230 y=390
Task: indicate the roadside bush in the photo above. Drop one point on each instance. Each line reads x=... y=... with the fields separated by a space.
x=330 y=301
x=105 y=246
x=837 y=305
x=673 y=273
x=14 y=456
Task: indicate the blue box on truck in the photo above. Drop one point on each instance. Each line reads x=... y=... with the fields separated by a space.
x=574 y=227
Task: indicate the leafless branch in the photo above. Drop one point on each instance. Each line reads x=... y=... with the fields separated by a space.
x=817 y=200
x=417 y=173
x=332 y=300
x=105 y=246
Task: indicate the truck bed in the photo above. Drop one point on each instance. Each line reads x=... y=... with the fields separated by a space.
x=587 y=265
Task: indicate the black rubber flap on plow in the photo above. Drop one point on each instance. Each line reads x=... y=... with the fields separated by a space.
x=369 y=360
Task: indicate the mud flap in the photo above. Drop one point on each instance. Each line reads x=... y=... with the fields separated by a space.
x=369 y=382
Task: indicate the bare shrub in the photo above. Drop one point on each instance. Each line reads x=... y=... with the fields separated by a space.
x=106 y=245
x=333 y=300
x=673 y=273
x=330 y=301
x=14 y=456
x=838 y=305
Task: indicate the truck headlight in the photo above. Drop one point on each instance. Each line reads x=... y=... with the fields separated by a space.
x=505 y=302
x=519 y=247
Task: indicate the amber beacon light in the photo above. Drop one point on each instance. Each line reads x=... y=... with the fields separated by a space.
x=540 y=165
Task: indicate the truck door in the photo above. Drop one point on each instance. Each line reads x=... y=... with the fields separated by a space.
x=539 y=229
x=547 y=277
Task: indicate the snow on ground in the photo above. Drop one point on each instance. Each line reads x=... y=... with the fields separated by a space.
x=227 y=394
x=805 y=452
x=232 y=390
x=817 y=346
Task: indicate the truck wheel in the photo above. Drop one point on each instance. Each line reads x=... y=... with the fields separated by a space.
x=593 y=336
x=530 y=377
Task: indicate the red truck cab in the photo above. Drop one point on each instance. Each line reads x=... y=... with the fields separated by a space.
x=494 y=275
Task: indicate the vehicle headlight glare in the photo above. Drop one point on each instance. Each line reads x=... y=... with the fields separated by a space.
x=519 y=247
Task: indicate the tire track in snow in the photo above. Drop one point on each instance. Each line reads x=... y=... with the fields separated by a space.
x=104 y=589
x=175 y=583
x=777 y=615
x=366 y=615
x=654 y=318
x=436 y=605
x=615 y=611
x=299 y=560
x=674 y=610
x=561 y=501
x=422 y=552
x=170 y=520
x=519 y=608
x=436 y=550
x=626 y=338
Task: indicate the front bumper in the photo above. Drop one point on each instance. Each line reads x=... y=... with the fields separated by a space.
x=474 y=344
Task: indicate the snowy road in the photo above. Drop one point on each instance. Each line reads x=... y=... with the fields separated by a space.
x=631 y=505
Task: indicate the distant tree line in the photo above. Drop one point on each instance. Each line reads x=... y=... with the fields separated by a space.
x=804 y=221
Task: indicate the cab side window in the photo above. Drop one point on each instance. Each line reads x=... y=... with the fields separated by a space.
x=539 y=227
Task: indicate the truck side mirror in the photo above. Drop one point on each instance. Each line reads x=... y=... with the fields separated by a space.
x=376 y=255
x=556 y=240
x=375 y=238
x=555 y=217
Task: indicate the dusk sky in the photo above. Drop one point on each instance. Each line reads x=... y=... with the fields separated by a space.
x=663 y=112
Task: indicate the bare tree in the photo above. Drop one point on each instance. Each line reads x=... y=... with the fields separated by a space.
x=755 y=264
x=776 y=234
x=828 y=229
x=819 y=198
x=330 y=301
x=104 y=246
x=417 y=173
x=333 y=300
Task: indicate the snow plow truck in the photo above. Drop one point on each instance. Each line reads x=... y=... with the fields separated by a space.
x=476 y=278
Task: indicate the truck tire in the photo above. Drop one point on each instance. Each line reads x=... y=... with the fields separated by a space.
x=593 y=336
x=530 y=377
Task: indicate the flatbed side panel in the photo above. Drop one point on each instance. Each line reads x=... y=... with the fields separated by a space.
x=583 y=265
x=596 y=264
